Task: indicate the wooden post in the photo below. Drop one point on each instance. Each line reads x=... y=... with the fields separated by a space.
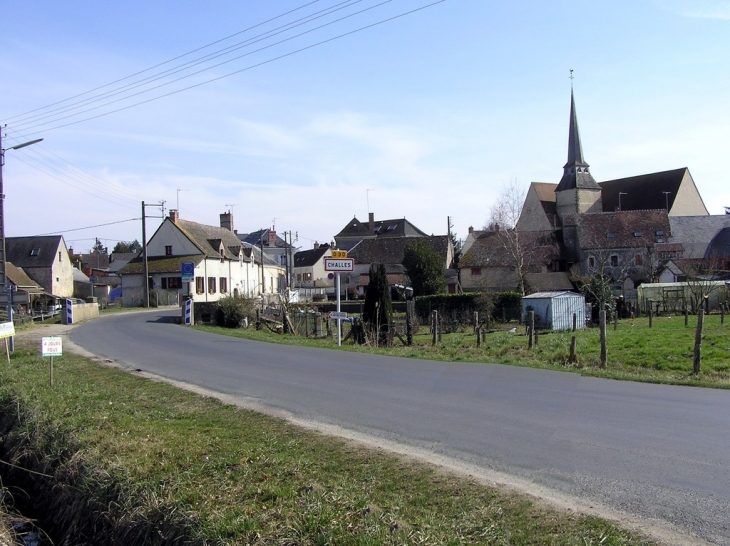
x=722 y=313
x=686 y=316
x=572 y=359
x=530 y=328
x=698 y=341
x=575 y=321
x=476 y=321
x=604 y=352
x=7 y=350
x=306 y=324
x=434 y=327
x=50 y=371
x=615 y=320
x=650 y=316
x=440 y=326
x=479 y=336
x=409 y=322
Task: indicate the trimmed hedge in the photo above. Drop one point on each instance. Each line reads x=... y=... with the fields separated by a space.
x=460 y=307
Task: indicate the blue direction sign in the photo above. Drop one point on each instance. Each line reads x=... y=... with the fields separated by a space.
x=187 y=271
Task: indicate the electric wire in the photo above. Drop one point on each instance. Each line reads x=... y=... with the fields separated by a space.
x=245 y=69
x=165 y=62
x=88 y=227
x=180 y=68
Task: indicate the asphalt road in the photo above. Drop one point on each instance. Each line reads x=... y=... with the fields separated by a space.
x=650 y=450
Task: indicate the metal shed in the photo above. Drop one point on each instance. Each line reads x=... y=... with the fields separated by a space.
x=554 y=310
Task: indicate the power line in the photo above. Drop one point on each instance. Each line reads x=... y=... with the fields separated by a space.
x=165 y=62
x=262 y=63
x=87 y=227
x=25 y=120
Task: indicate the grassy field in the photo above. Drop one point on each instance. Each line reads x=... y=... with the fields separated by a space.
x=661 y=354
x=131 y=461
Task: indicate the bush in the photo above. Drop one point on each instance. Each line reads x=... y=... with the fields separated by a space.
x=232 y=310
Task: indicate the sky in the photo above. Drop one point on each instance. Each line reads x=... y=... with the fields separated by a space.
x=301 y=114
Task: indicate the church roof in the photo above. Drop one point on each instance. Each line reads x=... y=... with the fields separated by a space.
x=643 y=192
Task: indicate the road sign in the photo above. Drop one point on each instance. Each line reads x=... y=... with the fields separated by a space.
x=339 y=264
x=7 y=329
x=338 y=315
x=339 y=254
x=51 y=346
x=187 y=271
x=94 y=278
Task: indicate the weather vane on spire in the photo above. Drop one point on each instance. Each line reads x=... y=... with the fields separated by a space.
x=571 y=78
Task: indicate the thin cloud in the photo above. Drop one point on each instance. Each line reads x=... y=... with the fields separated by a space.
x=705 y=9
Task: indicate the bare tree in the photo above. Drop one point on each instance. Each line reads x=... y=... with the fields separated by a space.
x=503 y=218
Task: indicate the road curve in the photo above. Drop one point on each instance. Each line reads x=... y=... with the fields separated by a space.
x=656 y=451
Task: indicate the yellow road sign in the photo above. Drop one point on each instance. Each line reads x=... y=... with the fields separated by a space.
x=339 y=254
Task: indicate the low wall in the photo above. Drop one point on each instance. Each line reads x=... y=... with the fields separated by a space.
x=81 y=312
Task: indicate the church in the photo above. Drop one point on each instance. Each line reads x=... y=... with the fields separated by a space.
x=627 y=228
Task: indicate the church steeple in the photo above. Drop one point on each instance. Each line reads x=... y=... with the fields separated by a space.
x=577 y=192
x=576 y=172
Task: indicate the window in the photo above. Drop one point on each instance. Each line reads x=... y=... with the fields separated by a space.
x=476 y=270
x=59 y=257
x=211 y=285
x=377 y=229
x=637 y=234
x=299 y=277
x=223 y=253
x=614 y=260
x=638 y=260
x=610 y=235
x=34 y=251
x=168 y=250
x=659 y=233
x=171 y=283
x=199 y=285
x=223 y=285
x=591 y=262
x=392 y=227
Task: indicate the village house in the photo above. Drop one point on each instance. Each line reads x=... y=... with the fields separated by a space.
x=45 y=260
x=222 y=264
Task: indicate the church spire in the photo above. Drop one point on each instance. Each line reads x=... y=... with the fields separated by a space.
x=576 y=173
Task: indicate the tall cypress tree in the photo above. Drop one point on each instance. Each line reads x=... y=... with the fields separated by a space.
x=378 y=310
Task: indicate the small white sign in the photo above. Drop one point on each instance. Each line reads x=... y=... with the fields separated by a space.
x=7 y=329
x=339 y=264
x=51 y=346
x=339 y=315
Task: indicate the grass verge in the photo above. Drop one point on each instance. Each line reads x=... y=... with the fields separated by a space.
x=116 y=459
x=636 y=352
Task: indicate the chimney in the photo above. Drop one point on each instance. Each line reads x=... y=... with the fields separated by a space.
x=471 y=229
x=316 y=244
x=272 y=237
x=371 y=222
x=174 y=216
x=227 y=221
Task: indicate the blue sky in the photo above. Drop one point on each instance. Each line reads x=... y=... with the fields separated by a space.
x=425 y=116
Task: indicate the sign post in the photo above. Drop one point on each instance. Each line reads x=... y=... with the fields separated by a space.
x=7 y=330
x=51 y=346
x=337 y=263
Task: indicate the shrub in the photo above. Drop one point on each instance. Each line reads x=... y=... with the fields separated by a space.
x=232 y=310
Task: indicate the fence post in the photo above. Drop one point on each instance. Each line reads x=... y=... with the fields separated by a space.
x=479 y=336
x=698 y=341
x=409 y=322
x=722 y=313
x=615 y=320
x=530 y=328
x=650 y=316
x=476 y=321
x=686 y=316
x=572 y=358
x=602 y=322
x=575 y=321
x=434 y=326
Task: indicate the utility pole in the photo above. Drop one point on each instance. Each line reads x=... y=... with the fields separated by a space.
x=146 y=270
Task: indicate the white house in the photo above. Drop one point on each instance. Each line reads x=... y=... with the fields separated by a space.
x=222 y=264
